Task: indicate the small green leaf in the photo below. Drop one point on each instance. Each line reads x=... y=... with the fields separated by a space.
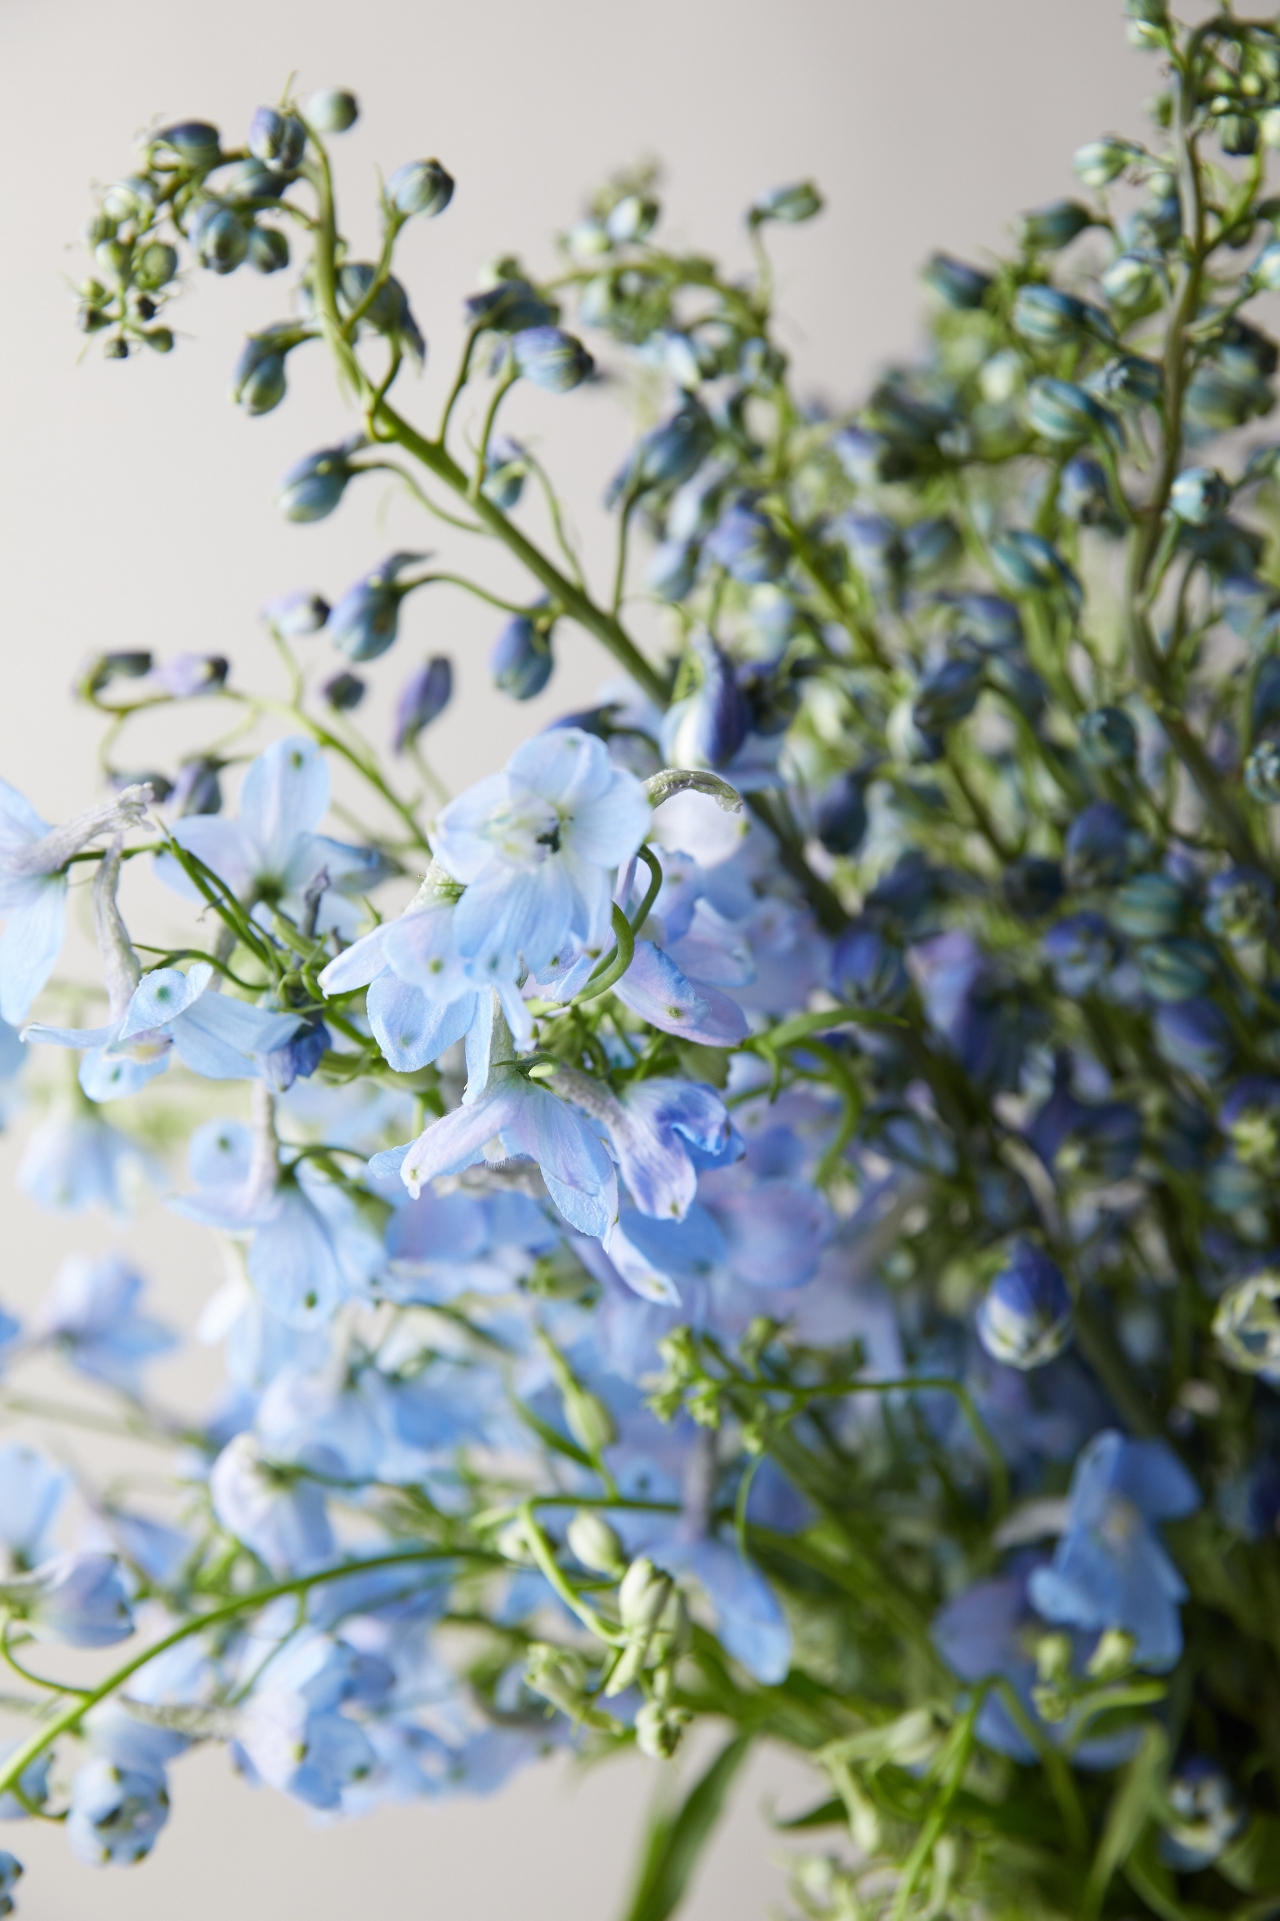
x=675 y=1841
x=1131 y=1806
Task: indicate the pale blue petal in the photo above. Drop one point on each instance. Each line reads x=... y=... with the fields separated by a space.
x=285 y=794
x=515 y=915
x=410 y=1028
x=459 y=843
x=30 y=946
x=162 y=995
x=775 y=1230
x=608 y=831
x=216 y=1037
x=70 y=1036
x=458 y=1140
x=568 y=767
x=357 y=965
x=749 y=1619
x=222 y=845
x=105 y=1076
x=292 y=1264
x=654 y=988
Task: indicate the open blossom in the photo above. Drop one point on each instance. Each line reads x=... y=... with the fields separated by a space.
x=537 y=847
x=33 y=886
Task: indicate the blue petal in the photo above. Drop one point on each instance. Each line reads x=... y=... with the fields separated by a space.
x=30 y=946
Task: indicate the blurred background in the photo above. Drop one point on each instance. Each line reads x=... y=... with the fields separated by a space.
x=136 y=512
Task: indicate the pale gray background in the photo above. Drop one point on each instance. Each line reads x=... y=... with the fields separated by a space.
x=135 y=510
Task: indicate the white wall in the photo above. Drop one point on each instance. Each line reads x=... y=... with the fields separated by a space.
x=135 y=510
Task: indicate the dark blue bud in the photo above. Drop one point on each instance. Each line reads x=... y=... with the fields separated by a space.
x=195 y=142
x=1241 y=904
x=506 y=467
x=1084 y=492
x=1148 y=907
x=278 y=140
x=422 y=699
x=867 y=969
x=1026 y=563
x=1194 y=1036
x=220 y=238
x=673 y=569
x=1129 y=379
x=995 y=622
x=1025 y=1317
x=258 y=378
x=521 y=661
x=747 y=545
x=947 y=693
x=420 y=186
x=268 y=250
x=296 y=614
x=314 y=485
x=1108 y=738
x=1101 y=846
x=298 y=1059
x=870 y=459
x=343 y=691
x=1199 y=494
x=552 y=359
x=840 y=817
x=1262 y=772
x=708 y=727
x=1176 y=970
x=250 y=180
x=197 y=788
x=800 y=201
x=388 y=311
x=1081 y=953
x=364 y=623
x=1047 y=229
x=1061 y=412
x=332 y=110
x=875 y=546
x=1032 y=886
x=960 y=285
x=668 y=454
x=1205 y=1809
x=511 y=306
x=930 y=544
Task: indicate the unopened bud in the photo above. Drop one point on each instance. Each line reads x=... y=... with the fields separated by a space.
x=660 y=1730
x=642 y=1595
x=595 y=1544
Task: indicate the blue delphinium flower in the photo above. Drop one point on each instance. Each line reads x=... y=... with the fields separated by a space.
x=536 y=848
x=1110 y=1569
x=32 y=1491
x=281 y=1516
x=75 y=1160
x=90 y=1316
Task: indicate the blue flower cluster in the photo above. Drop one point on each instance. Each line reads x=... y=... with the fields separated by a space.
x=762 y=1210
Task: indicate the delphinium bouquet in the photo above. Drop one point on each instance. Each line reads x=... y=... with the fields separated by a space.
x=763 y=1211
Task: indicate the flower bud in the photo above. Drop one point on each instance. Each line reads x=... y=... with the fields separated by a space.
x=1100 y=846
x=1174 y=970
x=521 y=662
x=1247 y=1324
x=588 y=1419
x=595 y=1544
x=1025 y=1317
x=314 y=485
x=1262 y=772
x=1108 y=738
x=552 y=359
x=632 y=218
x=343 y=692
x=10 y=1869
x=114 y=258
x=956 y=282
x=707 y=728
x=364 y=623
x=1206 y=1813
x=790 y=204
x=745 y=543
x=159 y=339
x=1051 y=318
x=660 y=1729
x=1129 y=281
x=116 y=1812
x=1195 y=1037
x=332 y=110
x=1148 y=907
x=1032 y=886
x=155 y=265
x=1084 y=492
x=258 y=380
x=1237 y=133
x=268 y=250
x=1241 y=904
x=867 y=969
x=76 y=1598
x=196 y=143
x=1081 y=952
x=1064 y=413
x=1198 y=495
x=1048 y=229
x=840 y=817
x=1101 y=161
x=296 y=614
x=277 y=139
x=506 y=467
x=220 y=238
x=1025 y=562
x=948 y=693
x=672 y=569
x=422 y=699
x=420 y=186
x=642 y=1595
